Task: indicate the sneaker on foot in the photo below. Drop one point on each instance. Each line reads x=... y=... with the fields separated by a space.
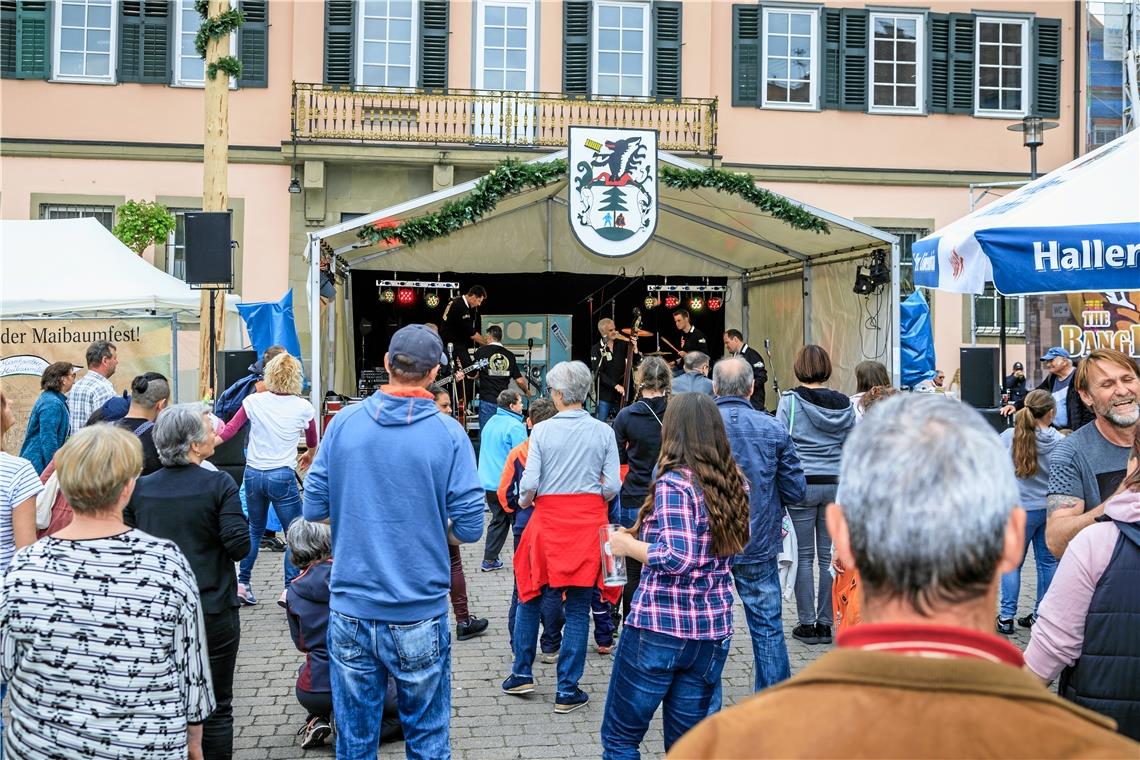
x=518 y=685
x=281 y=599
x=490 y=567
x=245 y=594
x=822 y=634
x=470 y=628
x=550 y=657
x=603 y=649
x=805 y=633
x=1027 y=621
x=1005 y=627
x=315 y=732
x=572 y=702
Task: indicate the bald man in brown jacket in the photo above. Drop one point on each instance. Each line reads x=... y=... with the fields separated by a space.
x=923 y=676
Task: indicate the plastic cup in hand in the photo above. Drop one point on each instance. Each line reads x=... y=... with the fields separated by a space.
x=613 y=566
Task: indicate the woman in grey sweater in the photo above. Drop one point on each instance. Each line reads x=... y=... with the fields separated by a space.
x=819 y=420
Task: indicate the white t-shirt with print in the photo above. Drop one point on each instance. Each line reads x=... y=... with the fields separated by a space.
x=277 y=424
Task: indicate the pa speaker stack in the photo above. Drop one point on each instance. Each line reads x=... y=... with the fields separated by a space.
x=209 y=250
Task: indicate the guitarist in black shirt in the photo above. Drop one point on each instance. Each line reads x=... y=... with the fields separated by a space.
x=461 y=323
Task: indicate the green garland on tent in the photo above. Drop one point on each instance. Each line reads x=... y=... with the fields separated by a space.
x=743 y=185
x=512 y=176
x=507 y=178
x=214 y=28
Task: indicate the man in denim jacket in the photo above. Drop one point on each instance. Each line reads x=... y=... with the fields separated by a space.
x=763 y=449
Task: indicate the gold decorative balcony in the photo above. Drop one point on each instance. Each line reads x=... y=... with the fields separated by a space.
x=492 y=118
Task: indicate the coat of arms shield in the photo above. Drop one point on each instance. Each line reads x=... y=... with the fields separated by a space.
x=613 y=188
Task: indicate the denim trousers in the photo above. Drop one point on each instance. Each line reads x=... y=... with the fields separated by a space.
x=487 y=410
x=575 y=637
x=812 y=605
x=604 y=409
x=223 y=634
x=362 y=654
x=549 y=610
x=278 y=486
x=1046 y=565
x=758 y=586
x=652 y=669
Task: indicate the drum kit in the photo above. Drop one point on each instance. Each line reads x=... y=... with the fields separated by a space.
x=626 y=334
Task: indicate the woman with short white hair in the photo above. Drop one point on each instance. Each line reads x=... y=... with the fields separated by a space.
x=111 y=606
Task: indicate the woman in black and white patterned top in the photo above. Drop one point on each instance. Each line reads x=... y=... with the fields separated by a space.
x=101 y=638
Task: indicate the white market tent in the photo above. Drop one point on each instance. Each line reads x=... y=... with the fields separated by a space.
x=790 y=285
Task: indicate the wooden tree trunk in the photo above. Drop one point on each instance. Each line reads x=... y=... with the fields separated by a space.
x=214 y=194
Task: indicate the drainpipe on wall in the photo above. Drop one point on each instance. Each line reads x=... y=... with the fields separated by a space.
x=1078 y=45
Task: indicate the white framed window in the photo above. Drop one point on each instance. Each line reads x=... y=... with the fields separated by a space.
x=987 y=313
x=505 y=45
x=105 y=215
x=621 y=49
x=897 y=51
x=176 y=244
x=189 y=68
x=386 y=49
x=85 y=39
x=1002 y=55
x=791 y=63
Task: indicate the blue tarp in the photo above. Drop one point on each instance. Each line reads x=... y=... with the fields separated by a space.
x=916 y=340
x=271 y=324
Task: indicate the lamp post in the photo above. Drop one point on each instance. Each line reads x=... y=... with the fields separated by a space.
x=1032 y=129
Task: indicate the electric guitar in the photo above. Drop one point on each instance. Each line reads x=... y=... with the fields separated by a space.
x=439 y=385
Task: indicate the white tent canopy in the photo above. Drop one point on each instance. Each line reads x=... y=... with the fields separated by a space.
x=770 y=266
x=1075 y=229
x=75 y=267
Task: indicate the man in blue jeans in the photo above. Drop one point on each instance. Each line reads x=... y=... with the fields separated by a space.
x=764 y=450
x=397 y=481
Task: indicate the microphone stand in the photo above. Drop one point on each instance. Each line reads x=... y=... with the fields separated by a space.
x=529 y=349
x=451 y=390
x=775 y=382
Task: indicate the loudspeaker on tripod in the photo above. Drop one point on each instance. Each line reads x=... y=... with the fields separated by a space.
x=209 y=253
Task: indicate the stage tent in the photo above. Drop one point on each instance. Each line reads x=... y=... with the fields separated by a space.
x=792 y=286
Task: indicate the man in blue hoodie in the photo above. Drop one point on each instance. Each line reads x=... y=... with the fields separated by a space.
x=764 y=450
x=397 y=481
x=503 y=432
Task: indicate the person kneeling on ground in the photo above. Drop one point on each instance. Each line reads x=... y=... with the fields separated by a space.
x=307 y=608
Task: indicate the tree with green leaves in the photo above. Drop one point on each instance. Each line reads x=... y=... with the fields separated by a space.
x=142 y=223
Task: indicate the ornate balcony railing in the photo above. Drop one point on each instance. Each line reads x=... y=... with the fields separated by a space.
x=492 y=118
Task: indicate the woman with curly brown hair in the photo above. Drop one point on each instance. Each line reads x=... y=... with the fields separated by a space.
x=677 y=637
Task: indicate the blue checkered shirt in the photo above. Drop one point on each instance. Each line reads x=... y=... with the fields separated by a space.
x=685 y=590
x=88 y=394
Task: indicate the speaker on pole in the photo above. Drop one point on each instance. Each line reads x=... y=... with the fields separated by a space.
x=209 y=252
x=980 y=377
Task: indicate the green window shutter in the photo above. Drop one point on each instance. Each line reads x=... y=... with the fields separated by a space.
x=963 y=28
x=832 y=23
x=253 y=44
x=667 y=50
x=853 y=84
x=1047 y=67
x=433 y=44
x=938 y=52
x=144 y=41
x=25 y=38
x=745 y=55
x=576 y=47
x=340 y=18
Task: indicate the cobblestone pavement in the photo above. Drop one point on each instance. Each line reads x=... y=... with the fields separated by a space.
x=486 y=724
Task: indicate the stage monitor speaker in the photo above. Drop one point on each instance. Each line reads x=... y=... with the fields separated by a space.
x=233 y=366
x=209 y=255
x=980 y=377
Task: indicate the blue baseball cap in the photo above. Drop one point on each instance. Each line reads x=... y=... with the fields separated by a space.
x=1054 y=352
x=418 y=347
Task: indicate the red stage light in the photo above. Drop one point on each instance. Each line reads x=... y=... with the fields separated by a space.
x=714 y=303
x=406 y=296
x=672 y=301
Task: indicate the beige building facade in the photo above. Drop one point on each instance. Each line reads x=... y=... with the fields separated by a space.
x=885 y=113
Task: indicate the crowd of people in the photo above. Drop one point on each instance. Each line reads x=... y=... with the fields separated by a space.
x=900 y=520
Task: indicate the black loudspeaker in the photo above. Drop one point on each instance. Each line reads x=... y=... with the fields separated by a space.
x=980 y=377
x=233 y=366
x=209 y=256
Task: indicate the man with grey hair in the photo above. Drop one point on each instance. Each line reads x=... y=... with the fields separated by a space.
x=150 y=393
x=930 y=536
x=695 y=377
x=571 y=474
x=763 y=449
x=200 y=511
x=93 y=389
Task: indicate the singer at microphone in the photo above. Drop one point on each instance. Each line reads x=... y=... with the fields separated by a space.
x=502 y=367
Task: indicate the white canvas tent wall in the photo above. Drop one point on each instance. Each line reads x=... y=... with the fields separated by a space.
x=776 y=274
x=72 y=268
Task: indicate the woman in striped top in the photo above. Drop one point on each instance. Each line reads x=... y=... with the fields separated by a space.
x=101 y=639
x=680 y=623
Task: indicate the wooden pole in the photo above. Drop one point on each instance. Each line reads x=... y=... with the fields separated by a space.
x=214 y=192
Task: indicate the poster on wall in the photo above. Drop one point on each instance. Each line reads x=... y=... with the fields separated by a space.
x=27 y=347
x=613 y=188
x=1083 y=322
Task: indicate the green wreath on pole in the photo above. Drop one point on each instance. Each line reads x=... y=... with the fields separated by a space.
x=216 y=28
x=512 y=176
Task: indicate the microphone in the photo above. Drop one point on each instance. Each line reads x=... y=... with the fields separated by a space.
x=450 y=350
x=530 y=344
